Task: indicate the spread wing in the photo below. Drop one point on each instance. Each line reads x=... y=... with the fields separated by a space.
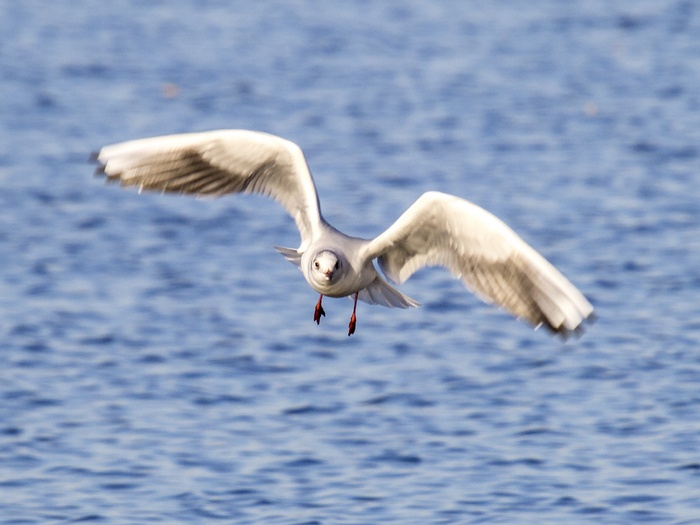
x=477 y=247
x=216 y=163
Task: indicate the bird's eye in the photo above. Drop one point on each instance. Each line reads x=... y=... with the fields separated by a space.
x=316 y=265
x=337 y=264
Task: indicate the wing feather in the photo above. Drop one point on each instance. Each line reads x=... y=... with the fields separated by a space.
x=481 y=250
x=216 y=163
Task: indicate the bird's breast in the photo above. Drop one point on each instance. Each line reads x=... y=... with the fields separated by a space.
x=343 y=285
x=339 y=288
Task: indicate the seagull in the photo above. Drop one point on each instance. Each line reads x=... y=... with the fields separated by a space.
x=436 y=230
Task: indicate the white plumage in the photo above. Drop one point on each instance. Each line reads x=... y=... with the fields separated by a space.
x=437 y=230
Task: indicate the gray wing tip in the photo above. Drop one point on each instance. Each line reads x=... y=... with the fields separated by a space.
x=567 y=333
x=94 y=156
x=100 y=169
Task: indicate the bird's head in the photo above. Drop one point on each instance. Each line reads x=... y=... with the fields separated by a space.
x=325 y=267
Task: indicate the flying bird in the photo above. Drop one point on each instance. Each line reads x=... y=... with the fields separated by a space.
x=436 y=230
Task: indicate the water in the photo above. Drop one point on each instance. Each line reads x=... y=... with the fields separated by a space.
x=159 y=362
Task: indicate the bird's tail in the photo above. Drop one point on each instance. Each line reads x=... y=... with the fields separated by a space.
x=292 y=255
x=381 y=292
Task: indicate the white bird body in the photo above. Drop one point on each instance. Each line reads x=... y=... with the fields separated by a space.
x=437 y=230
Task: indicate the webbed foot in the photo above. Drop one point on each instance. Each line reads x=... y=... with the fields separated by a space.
x=319 y=311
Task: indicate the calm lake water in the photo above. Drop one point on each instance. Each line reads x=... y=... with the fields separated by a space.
x=158 y=359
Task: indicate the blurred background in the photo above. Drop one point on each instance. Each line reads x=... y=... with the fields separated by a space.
x=158 y=359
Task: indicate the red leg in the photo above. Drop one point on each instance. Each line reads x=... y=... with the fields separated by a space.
x=319 y=311
x=353 y=317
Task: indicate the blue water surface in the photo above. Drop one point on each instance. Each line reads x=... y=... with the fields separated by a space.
x=158 y=360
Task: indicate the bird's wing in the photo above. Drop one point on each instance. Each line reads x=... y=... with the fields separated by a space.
x=216 y=163
x=477 y=247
